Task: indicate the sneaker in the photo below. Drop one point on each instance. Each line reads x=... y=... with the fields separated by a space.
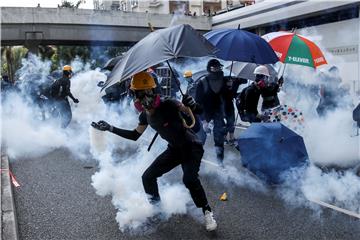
x=232 y=142
x=210 y=222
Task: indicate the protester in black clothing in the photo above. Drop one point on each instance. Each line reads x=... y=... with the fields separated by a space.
x=356 y=115
x=59 y=91
x=249 y=98
x=210 y=94
x=270 y=94
x=183 y=149
x=232 y=85
x=5 y=83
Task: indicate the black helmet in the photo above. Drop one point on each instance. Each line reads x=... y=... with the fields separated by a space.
x=214 y=65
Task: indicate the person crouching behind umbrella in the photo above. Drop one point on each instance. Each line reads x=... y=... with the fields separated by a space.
x=183 y=149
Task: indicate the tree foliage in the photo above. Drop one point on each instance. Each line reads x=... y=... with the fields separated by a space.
x=70 y=4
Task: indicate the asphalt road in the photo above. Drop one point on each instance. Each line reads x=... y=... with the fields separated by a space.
x=56 y=201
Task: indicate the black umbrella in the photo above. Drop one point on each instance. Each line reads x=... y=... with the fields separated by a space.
x=159 y=46
x=109 y=65
x=246 y=70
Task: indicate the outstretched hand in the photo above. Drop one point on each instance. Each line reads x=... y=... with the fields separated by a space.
x=101 y=125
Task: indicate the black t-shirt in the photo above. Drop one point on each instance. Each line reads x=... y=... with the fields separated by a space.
x=269 y=95
x=166 y=120
x=61 y=88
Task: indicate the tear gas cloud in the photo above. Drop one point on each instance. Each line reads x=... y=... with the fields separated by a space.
x=24 y=131
x=328 y=141
x=119 y=175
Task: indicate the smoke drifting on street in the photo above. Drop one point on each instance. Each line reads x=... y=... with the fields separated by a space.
x=121 y=162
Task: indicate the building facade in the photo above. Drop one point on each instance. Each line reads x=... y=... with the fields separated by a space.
x=188 y=7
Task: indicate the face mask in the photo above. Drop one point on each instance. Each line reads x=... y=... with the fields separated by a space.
x=146 y=101
x=261 y=84
x=138 y=106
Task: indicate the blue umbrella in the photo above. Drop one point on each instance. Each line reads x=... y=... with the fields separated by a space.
x=242 y=46
x=270 y=149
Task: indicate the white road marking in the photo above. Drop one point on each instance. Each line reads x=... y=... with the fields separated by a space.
x=345 y=211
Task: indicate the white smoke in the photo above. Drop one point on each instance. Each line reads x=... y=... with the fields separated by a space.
x=121 y=162
x=120 y=177
x=329 y=140
x=24 y=131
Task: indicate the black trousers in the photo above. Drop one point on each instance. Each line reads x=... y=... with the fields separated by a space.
x=189 y=158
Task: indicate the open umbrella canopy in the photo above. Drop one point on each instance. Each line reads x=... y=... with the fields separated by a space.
x=159 y=46
x=109 y=65
x=295 y=49
x=246 y=70
x=270 y=149
x=242 y=46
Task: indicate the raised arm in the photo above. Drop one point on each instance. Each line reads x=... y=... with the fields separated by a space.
x=128 y=134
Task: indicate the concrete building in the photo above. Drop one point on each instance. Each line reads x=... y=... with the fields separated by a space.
x=197 y=7
x=333 y=25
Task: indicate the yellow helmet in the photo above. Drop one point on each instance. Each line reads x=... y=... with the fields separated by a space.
x=187 y=74
x=67 y=68
x=142 y=81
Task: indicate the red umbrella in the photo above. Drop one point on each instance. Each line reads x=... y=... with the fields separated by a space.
x=295 y=49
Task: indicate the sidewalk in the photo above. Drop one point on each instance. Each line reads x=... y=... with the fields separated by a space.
x=8 y=224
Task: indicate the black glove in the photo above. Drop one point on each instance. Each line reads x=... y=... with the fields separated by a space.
x=102 y=126
x=188 y=101
x=76 y=100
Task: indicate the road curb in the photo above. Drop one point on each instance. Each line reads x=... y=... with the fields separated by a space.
x=8 y=223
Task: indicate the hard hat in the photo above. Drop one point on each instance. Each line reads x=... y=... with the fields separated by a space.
x=262 y=70
x=67 y=68
x=142 y=81
x=187 y=74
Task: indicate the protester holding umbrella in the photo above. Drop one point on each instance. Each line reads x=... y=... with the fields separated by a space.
x=242 y=46
x=249 y=97
x=184 y=148
x=269 y=94
x=210 y=94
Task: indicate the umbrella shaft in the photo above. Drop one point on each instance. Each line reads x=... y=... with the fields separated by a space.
x=172 y=73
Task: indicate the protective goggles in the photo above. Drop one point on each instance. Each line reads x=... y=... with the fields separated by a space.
x=142 y=93
x=216 y=68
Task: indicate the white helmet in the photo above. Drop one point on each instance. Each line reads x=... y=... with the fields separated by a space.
x=262 y=70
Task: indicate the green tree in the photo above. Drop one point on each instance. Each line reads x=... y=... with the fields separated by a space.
x=70 y=4
x=11 y=60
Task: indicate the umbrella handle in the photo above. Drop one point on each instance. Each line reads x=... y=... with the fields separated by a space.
x=192 y=119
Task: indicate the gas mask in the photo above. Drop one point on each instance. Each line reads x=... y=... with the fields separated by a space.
x=146 y=100
x=261 y=83
x=261 y=80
